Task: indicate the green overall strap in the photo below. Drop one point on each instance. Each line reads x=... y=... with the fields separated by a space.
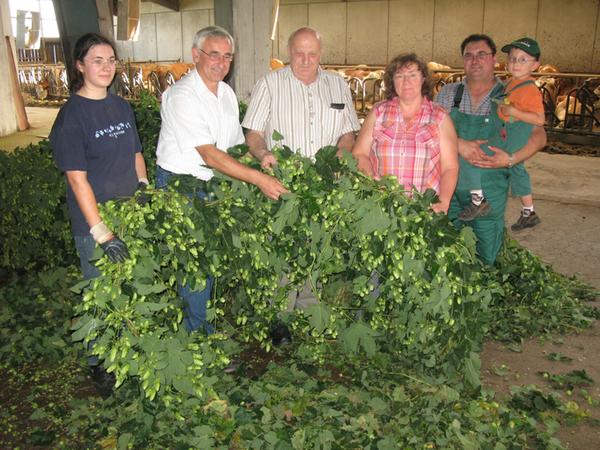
x=520 y=85
x=498 y=89
x=498 y=92
x=503 y=93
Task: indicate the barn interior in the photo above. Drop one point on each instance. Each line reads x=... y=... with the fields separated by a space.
x=360 y=36
x=153 y=39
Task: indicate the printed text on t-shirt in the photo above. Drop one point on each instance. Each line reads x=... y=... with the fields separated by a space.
x=113 y=131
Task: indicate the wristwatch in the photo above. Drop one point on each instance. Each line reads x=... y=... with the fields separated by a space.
x=510 y=161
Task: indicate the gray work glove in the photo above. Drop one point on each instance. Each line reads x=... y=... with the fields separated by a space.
x=115 y=249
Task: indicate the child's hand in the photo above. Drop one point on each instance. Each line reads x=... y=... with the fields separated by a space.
x=507 y=110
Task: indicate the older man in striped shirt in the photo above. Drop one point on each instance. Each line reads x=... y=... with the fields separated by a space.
x=309 y=107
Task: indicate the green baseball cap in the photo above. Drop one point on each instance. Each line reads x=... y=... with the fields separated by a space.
x=528 y=45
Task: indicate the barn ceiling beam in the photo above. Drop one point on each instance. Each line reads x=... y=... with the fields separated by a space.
x=75 y=18
x=171 y=4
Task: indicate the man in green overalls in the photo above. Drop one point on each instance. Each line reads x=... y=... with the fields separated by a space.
x=471 y=108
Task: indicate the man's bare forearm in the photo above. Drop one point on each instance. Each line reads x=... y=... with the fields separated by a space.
x=256 y=143
x=221 y=161
x=536 y=142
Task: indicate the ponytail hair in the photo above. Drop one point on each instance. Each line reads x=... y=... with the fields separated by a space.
x=82 y=47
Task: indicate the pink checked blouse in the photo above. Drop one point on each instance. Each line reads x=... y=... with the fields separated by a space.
x=410 y=151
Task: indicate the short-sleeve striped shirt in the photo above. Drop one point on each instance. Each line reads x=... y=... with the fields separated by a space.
x=409 y=151
x=307 y=116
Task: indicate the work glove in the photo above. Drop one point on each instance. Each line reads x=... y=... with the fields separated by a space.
x=142 y=197
x=113 y=247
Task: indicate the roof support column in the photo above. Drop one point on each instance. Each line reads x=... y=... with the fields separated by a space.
x=249 y=21
x=74 y=19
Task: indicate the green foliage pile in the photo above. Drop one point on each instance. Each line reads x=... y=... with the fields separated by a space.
x=296 y=406
x=146 y=109
x=338 y=231
x=35 y=316
x=533 y=299
x=243 y=107
x=386 y=359
x=34 y=226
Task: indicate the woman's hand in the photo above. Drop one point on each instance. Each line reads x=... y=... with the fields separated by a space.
x=363 y=163
x=440 y=207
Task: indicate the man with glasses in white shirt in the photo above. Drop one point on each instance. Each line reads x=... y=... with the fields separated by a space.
x=200 y=121
x=471 y=108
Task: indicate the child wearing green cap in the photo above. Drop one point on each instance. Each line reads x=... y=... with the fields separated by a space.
x=520 y=108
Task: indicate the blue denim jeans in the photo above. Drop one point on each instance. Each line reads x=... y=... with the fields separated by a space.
x=85 y=246
x=195 y=301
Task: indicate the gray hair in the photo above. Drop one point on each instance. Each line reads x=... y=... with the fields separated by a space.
x=303 y=30
x=213 y=31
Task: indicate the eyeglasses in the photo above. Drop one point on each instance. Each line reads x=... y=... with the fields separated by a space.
x=520 y=60
x=101 y=62
x=408 y=76
x=479 y=56
x=216 y=56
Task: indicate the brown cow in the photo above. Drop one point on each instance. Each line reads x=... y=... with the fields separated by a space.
x=276 y=64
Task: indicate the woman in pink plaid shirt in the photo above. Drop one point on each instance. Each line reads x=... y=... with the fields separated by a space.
x=409 y=136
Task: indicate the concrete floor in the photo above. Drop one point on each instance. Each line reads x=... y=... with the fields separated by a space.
x=40 y=121
x=565 y=178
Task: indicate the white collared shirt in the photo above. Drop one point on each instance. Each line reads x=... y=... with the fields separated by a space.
x=308 y=116
x=193 y=116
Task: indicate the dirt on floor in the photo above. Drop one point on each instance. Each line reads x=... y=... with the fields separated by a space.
x=560 y=148
x=567 y=239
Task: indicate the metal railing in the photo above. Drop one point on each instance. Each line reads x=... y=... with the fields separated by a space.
x=42 y=81
x=571 y=100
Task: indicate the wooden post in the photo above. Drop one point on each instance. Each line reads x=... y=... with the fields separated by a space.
x=251 y=20
x=105 y=18
x=128 y=17
x=22 y=122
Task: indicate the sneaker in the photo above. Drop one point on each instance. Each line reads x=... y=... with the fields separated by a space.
x=103 y=381
x=526 y=221
x=474 y=211
x=280 y=335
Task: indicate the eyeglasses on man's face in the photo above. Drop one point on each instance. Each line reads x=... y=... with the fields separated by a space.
x=479 y=56
x=520 y=60
x=216 y=56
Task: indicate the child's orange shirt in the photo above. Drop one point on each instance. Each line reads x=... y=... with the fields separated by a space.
x=527 y=98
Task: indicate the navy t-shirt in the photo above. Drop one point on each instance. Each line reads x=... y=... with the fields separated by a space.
x=100 y=138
